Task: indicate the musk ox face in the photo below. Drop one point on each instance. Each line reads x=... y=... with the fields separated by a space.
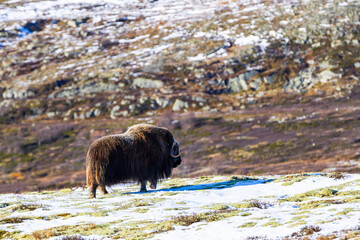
x=175 y=154
x=143 y=153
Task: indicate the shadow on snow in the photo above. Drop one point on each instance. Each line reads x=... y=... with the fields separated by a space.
x=219 y=185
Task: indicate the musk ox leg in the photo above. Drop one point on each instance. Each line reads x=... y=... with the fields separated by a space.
x=143 y=186
x=93 y=190
x=103 y=189
x=153 y=184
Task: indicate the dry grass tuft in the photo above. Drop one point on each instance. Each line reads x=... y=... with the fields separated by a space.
x=305 y=231
x=186 y=220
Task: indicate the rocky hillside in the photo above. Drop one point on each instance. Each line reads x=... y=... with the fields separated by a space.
x=246 y=86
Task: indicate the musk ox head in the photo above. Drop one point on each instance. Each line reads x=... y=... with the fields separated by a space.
x=175 y=154
x=143 y=153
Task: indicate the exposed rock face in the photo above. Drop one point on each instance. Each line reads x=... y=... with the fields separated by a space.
x=162 y=102
x=179 y=104
x=327 y=75
x=17 y=93
x=307 y=79
x=249 y=80
x=94 y=112
x=147 y=83
x=87 y=88
x=240 y=82
x=235 y=85
x=117 y=111
x=255 y=84
x=269 y=79
x=301 y=82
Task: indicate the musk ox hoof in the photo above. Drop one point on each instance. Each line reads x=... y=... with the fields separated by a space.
x=153 y=185
x=143 y=187
x=93 y=188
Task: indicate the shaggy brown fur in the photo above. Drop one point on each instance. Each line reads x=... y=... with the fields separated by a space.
x=143 y=153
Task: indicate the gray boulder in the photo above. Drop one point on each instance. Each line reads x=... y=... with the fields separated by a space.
x=179 y=104
x=326 y=75
x=255 y=84
x=301 y=82
x=17 y=93
x=85 y=89
x=269 y=79
x=116 y=112
x=162 y=102
x=240 y=82
x=94 y=112
x=306 y=79
x=147 y=83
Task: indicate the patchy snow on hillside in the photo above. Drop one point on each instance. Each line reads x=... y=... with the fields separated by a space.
x=199 y=208
x=176 y=20
x=152 y=35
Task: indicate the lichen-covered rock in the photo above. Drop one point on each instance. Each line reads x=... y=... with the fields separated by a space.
x=255 y=84
x=116 y=112
x=79 y=116
x=94 y=112
x=326 y=75
x=198 y=99
x=234 y=86
x=162 y=102
x=306 y=79
x=240 y=82
x=179 y=104
x=51 y=114
x=269 y=79
x=147 y=83
x=17 y=93
x=85 y=89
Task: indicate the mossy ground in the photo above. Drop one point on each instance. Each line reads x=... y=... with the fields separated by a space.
x=117 y=215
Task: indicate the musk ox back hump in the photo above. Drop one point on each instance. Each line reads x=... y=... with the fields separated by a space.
x=143 y=153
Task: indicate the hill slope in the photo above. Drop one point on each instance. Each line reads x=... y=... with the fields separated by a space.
x=294 y=206
x=242 y=84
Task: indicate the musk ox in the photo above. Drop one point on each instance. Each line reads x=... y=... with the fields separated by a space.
x=143 y=153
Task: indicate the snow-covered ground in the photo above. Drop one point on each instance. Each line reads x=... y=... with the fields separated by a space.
x=238 y=207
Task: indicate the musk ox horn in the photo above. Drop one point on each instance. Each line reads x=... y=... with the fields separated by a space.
x=144 y=153
x=175 y=156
